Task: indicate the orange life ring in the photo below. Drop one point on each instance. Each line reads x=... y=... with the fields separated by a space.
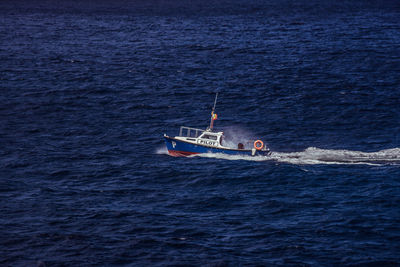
x=258 y=144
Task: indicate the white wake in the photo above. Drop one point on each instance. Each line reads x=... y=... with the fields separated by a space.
x=162 y=150
x=313 y=155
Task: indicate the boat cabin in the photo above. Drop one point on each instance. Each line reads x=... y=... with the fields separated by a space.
x=201 y=137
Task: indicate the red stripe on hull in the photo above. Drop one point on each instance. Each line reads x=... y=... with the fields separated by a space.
x=175 y=153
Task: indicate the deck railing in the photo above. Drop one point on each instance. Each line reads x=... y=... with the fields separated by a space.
x=187 y=132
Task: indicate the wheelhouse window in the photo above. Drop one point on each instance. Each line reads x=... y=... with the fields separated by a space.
x=211 y=137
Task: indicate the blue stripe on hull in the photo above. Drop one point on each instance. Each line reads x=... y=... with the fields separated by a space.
x=181 y=146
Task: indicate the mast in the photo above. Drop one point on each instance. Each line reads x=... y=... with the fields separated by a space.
x=213 y=115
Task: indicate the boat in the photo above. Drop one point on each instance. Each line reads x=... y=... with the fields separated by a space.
x=191 y=141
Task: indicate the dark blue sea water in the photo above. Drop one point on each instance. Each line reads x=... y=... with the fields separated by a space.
x=88 y=88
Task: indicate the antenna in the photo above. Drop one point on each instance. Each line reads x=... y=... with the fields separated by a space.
x=212 y=112
x=215 y=102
